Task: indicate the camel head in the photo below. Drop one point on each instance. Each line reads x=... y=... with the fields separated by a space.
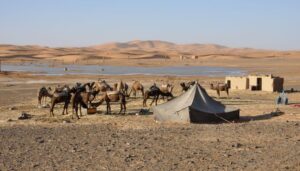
x=170 y=88
x=211 y=85
x=89 y=86
x=116 y=86
x=182 y=84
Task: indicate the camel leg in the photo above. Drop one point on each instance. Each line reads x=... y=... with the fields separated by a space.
x=218 y=92
x=121 y=107
x=42 y=101
x=63 y=113
x=124 y=107
x=152 y=101
x=67 y=107
x=107 y=107
x=142 y=90
x=75 y=111
x=80 y=110
x=156 y=99
x=145 y=102
x=51 y=109
x=130 y=92
x=39 y=101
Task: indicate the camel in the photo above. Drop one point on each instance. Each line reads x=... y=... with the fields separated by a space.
x=220 y=87
x=166 y=88
x=186 y=86
x=42 y=94
x=60 y=89
x=61 y=97
x=154 y=92
x=102 y=86
x=113 y=96
x=136 y=86
x=82 y=96
x=122 y=87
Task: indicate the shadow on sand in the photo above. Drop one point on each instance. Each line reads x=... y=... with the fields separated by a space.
x=261 y=117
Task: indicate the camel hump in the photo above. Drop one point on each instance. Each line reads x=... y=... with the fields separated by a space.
x=112 y=92
x=165 y=86
x=222 y=84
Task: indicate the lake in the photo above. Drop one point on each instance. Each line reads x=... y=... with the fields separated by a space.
x=44 y=69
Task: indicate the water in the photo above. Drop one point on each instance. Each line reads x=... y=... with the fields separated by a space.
x=43 y=69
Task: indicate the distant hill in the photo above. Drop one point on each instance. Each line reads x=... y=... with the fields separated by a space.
x=157 y=45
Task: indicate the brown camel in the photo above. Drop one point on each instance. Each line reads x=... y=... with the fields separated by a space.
x=61 y=97
x=155 y=93
x=122 y=87
x=102 y=86
x=187 y=86
x=42 y=94
x=136 y=86
x=82 y=96
x=220 y=87
x=113 y=96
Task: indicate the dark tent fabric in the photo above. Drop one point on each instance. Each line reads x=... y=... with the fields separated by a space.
x=194 y=106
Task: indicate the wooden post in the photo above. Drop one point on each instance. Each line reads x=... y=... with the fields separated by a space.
x=0 y=65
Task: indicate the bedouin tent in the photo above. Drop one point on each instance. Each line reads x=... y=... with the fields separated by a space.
x=194 y=106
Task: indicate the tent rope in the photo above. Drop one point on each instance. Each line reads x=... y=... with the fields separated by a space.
x=222 y=118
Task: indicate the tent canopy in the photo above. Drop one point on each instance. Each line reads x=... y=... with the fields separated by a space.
x=194 y=106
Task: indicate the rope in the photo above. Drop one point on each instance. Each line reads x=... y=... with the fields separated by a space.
x=222 y=118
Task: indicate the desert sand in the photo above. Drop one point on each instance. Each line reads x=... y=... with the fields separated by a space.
x=260 y=140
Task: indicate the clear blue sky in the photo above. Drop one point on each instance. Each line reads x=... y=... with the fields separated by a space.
x=268 y=24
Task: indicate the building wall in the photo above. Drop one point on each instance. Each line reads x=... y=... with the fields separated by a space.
x=238 y=83
x=252 y=80
x=267 y=84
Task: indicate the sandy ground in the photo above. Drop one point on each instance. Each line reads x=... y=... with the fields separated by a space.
x=259 y=141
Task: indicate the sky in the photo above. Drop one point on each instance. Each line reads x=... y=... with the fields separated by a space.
x=264 y=24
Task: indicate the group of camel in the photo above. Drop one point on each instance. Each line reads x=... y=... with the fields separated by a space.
x=93 y=94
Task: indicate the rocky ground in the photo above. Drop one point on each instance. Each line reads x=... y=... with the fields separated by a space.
x=260 y=140
x=243 y=146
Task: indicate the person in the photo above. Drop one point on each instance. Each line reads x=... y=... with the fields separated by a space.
x=282 y=98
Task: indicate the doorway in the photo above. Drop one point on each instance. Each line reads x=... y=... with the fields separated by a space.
x=259 y=84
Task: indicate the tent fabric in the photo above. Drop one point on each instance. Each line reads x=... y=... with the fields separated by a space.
x=194 y=106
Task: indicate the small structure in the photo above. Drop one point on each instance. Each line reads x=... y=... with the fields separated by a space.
x=194 y=106
x=181 y=57
x=195 y=57
x=256 y=82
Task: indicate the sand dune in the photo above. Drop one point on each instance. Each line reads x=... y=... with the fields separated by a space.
x=135 y=50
